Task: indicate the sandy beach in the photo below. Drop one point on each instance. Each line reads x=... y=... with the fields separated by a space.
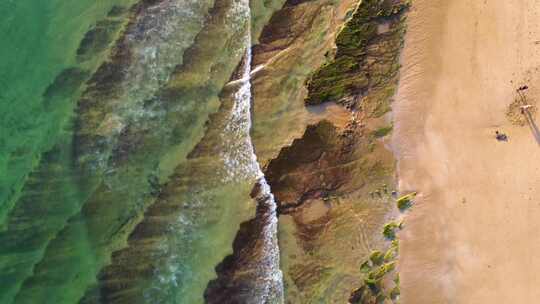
x=473 y=235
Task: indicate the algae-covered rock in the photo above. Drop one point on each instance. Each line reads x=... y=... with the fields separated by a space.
x=389 y=230
x=406 y=201
x=367 y=56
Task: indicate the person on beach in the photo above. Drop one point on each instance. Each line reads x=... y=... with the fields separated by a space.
x=500 y=136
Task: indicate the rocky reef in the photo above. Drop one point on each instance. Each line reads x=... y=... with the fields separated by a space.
x=292 y=45
x=333 y=183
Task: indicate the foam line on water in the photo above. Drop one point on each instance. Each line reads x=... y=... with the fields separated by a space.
x=271 y=275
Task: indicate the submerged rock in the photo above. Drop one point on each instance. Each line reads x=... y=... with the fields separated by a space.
x=292 y=45
x=102 y=35
x=251 y=274
x=324 y=181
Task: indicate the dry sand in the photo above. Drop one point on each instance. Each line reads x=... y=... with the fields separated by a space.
x=474 y=234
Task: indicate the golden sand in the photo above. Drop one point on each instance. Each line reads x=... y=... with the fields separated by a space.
x=474 y=234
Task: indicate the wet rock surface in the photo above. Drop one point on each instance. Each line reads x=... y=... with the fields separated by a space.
x=316 y=165
x=238 y=274
x=292 y=45
x=242 y=276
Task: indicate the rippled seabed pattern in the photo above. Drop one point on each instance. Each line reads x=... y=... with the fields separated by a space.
x=112 y=188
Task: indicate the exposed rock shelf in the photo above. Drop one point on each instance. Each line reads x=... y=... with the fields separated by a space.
x=333 y=184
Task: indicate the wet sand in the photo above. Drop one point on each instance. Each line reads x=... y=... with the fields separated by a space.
x=474 y=234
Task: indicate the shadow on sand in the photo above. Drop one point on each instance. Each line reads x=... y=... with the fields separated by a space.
x=532 y=126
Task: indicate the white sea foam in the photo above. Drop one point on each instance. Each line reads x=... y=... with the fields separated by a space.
x=271 y=275
x=241 y=166
x=241 y=160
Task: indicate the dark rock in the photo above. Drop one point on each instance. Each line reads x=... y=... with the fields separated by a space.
x=98 y=38
x=64 y=85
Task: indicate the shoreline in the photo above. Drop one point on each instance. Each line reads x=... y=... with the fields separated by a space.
x=470 y=238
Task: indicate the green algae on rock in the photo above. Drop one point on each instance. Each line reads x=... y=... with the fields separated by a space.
x=366 y=59
x=389 y=231
x=383 y=131
x=291 y=47
x=102 y=34
x=377 y=287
